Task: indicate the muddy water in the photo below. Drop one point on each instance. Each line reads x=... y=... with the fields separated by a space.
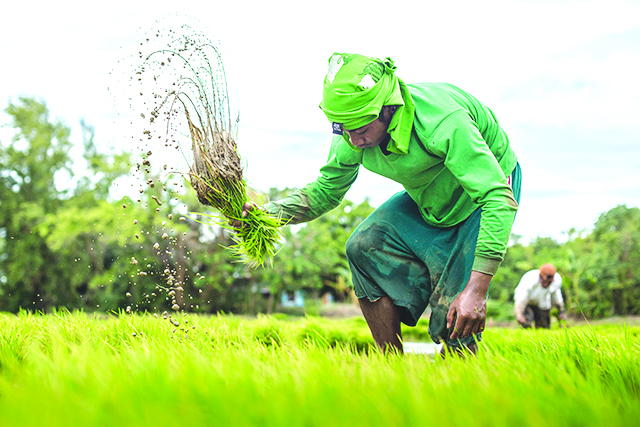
x=426 y=348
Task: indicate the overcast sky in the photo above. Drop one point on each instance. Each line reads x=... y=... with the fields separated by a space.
x=561 y=76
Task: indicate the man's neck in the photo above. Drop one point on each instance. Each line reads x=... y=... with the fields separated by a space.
x=384 y=145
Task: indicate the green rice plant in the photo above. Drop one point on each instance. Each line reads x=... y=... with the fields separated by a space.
x=216 y=174
x=80 y=369
x=269 y=332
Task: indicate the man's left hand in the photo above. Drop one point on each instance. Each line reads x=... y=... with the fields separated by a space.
x=562 y=320
x=469 y=309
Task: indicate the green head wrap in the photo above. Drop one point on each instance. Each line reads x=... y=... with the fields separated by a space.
x=355 y=90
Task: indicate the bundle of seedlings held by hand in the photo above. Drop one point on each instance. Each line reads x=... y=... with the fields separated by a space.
x=200 y=95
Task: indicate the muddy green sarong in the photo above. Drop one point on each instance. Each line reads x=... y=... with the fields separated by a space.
x=395 y=253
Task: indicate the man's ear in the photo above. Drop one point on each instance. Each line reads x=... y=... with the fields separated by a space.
x=387 y=113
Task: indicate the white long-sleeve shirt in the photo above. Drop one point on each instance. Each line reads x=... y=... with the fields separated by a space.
x=530 y=292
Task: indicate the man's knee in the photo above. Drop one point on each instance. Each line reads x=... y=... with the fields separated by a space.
x=353 y=246
x=360 y=242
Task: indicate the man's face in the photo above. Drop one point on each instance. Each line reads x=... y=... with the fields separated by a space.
x=370 y=135
x=545 y=280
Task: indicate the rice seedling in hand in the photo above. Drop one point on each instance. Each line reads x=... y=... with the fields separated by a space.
x=216 y=174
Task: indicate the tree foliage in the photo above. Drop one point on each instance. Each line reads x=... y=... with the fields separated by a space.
x=600 y=269
x=81 y=247
x=28 y=165
x=81 y=242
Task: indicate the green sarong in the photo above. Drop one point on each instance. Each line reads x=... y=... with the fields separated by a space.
x=395 y=253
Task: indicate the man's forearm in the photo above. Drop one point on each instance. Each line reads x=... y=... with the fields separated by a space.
x=519 y=308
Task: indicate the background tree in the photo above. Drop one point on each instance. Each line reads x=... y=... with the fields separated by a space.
x=75 y=247
x=84 y=242
x=612 y=276
x=38 y=150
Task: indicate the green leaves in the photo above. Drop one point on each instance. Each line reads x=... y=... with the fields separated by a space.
x=600 y=269
x=39 y=149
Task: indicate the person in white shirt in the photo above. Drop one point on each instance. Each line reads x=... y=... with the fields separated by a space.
x=535 y=295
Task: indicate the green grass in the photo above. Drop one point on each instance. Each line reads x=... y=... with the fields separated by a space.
x=75 y=369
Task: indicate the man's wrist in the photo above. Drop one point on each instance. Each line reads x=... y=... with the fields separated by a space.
x=479 y=283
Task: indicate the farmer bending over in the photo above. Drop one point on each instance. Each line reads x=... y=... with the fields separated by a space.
x=440 y=241
x=535 y=295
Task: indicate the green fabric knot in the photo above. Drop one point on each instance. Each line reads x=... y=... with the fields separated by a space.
x=389 y=66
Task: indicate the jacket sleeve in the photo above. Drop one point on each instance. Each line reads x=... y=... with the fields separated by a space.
x=469 y=158
x=326 y=193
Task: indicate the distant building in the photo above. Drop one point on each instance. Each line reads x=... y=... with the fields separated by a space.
x=292 y=299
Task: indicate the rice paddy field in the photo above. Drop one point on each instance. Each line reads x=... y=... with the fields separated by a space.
x=66 y=369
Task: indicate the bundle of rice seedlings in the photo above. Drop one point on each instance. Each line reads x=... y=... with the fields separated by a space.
x=216 y=176
x=216 y=172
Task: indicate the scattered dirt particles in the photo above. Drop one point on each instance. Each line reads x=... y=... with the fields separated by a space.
x=161 y=69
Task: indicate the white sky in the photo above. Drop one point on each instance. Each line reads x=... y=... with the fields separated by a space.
x=561 y=76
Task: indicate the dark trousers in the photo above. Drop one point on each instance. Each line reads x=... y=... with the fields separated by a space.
x=537 y=317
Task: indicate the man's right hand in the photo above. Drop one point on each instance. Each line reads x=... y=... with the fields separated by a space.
x=246 y=208
x=521 y=319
